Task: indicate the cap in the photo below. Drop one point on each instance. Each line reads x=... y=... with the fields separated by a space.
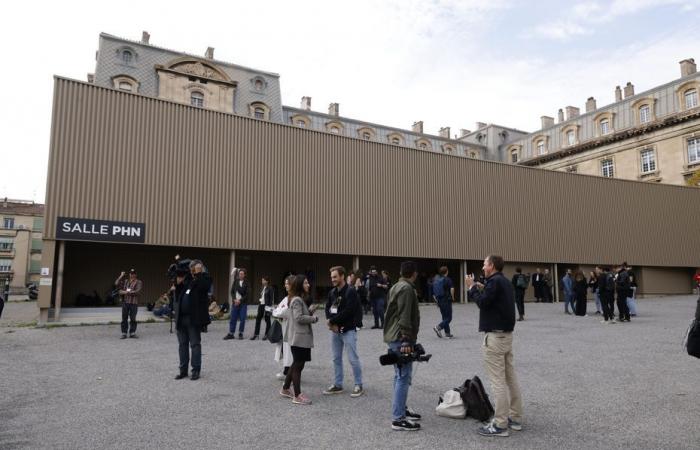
x=132 y=271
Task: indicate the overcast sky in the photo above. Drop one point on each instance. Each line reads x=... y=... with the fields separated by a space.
x=446 y=62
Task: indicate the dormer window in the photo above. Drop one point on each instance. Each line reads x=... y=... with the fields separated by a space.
x=127 y=56
x=395 y=141
x=197 y=99
x=366 y=133
x=125 y=86
x=301 y=124
x=644 y=114
x=125 y=83
x=691 y=98
x=604 y=127
x=570 y=138
x=514 y=156
x=541 y=150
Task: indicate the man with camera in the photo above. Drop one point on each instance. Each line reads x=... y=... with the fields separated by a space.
x=400 y=333
x=191 y=314
x=497 y=320
x=130 y=291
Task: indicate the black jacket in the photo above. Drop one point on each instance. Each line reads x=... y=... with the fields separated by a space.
x=199 y=290
x=242 y=290
x=348 y=306
x=496 y=304
x=580 y=289
x=622 y=284
x=606 y=285
x=269 y=296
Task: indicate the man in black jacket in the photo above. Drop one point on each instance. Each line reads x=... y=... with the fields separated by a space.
x=239 y=305
x=606 y=291
x=497 y=321
x=264 y=308
x=191 y=315
x=623 y=288
x=342 y=308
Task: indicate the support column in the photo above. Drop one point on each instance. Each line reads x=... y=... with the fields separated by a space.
x=231 y=272
x=46 y=281
x=462 y=284
x=355 y=263
x=556 y=282
x=59 y=279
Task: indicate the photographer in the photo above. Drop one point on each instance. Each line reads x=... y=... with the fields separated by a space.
x=191 y=315
x=130 y=291
x=400 y=332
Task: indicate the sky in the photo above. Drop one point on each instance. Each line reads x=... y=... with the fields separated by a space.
x=392 y=62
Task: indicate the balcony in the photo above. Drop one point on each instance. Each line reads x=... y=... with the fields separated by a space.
x=7 y=252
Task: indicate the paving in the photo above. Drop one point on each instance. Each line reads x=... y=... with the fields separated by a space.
x=585 y=385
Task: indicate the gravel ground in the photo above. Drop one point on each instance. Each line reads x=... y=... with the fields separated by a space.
x=585 y=385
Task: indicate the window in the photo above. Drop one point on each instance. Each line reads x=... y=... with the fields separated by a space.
x=604 y=126
x=5 y=265
x=644 y=114
x=648 y=160
x=5 y=244
x=8 y=222
x=366 y=135
x=422 y=146
x=693 y=152
x=197 y=99
x=607 y=168
x=259 y=113
x=570 y=138
x=540 y=148
x=395 y=140
x=125 y=86
x=301 y=124
x=472 y=155
x=514 y=156
x=259 y=85
x=691 y=98
x=334 y=130
x=127 y=57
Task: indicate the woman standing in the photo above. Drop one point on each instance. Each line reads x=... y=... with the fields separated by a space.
x=299 y=318
x=580 y=291
x=264 y=308
x=283 y=353
x=593 y=284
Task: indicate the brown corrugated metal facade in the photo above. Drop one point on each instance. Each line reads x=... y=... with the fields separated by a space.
x=199 y=178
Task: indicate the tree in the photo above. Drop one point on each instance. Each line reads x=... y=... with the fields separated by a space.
x=694 y=179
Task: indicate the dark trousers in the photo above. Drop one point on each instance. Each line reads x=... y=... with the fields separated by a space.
x=262 y=313
x=2 y=305
x=129 y=317
x=445 y=305
x=378 y=308
x=607 y=302
x=623 y=311
x=546 y=294
x=520 y=301
x=190 y=336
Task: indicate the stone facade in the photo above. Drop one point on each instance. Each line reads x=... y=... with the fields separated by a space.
x=21 y=234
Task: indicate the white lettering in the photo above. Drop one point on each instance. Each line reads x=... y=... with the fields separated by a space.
x=104 y=229
x=115 y=229
x=76 y=228
x=66 y=227
x=135 y=231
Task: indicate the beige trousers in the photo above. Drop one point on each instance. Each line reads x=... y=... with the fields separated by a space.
x=498 y=361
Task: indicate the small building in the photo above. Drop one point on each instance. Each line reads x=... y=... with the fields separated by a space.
x=21 y=234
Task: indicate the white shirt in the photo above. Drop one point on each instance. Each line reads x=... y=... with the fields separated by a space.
x=262 y=296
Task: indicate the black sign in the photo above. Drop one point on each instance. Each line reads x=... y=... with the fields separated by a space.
x=100 y=230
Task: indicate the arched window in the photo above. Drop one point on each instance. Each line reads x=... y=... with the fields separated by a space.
x=448 y=148
x=395 y=138
x=259 y=110
x=125 y=83
x=125 y=86
x=301 y=121
x=197 y=99
x=127 y=56
x=423 y=144
x=259 y=85
x=334 y=127
x=259 y=113
x=366 y=133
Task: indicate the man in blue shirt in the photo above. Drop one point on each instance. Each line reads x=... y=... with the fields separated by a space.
x=443 y=292
x=568 y=284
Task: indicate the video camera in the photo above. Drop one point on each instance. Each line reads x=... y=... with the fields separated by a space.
x=393 y=357
x=181 y=265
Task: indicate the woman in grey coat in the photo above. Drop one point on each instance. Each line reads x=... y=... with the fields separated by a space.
x=300 y=337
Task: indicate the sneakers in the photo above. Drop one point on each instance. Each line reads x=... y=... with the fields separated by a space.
x=412 y=415
x=438 y=331
x=280 y=376
x=301 y=399
x=287 y=393
x=123 y=336
x=449 y=336
x=603 y=321
x=357 y=391
x=490 y=429
x=333 y=389
x=229 y=336
x=404 y=425
x=515 y=426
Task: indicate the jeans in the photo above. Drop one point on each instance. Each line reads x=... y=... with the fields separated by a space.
x=598 y=305
x=261 y=313
x=349 y=340
x=238 y=313
x=402 y=381
x=378 y=308
x=445 y=305
x=190 y=336
x=129 y=311
x=569 y=299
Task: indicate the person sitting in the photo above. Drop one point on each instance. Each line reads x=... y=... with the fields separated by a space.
x=162 y=307
x=215 y=310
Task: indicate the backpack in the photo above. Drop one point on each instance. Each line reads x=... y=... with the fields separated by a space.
x=521 y=282
x=451 y=405
x=438 y=286
x=692 y=339
x=476 y=400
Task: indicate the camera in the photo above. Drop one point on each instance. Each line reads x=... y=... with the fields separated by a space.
x=182 y=266
x=393 y=357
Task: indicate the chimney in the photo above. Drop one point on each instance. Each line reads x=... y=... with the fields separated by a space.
x=444 y=132
x=688 y=67
x=306 y=103
x=590 y=104
x=629 y=90
x=463 y=132
x=91 y=78
x=480 y=125
x=334 y=109
x=209 y=54
x=571 y=112
x=547 y=121
x=618 y=94
x=145 y=37
x=417 y=127
x=560 y=115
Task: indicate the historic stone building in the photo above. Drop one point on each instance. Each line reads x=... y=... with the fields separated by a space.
x=20 y=243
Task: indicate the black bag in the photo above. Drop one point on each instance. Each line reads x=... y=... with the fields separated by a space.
x=275 y=334
x=692 y=340
x=476 y=400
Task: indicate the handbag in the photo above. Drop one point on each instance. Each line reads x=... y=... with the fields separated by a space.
x=451 y=405
x=275 y=334
x=692 y=339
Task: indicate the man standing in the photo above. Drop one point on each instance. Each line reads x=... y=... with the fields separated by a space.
x=623 y=288
x=568 y=284
x=191 y=315
x=377 y=296
x=342 y=309
x=538 y=284
x=547 y=284
x=520 y=283
x=264 y=308
x=443 y=291
x=401 y=333
x=606 y=288
x=130 y=292
x=497 y=321
x=239 y=306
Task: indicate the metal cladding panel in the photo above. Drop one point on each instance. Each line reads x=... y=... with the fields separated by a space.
x=201 y=178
